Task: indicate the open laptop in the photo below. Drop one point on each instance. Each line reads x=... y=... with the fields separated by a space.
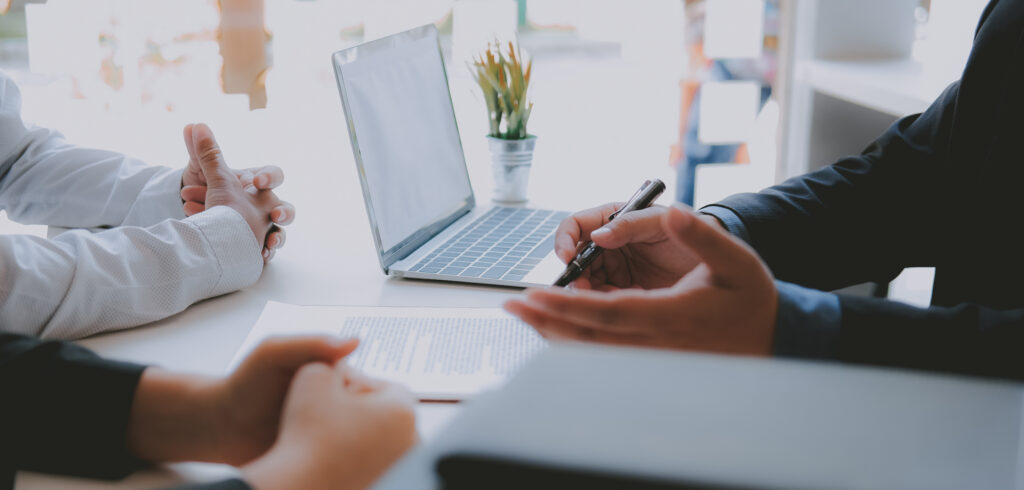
x=422 y=210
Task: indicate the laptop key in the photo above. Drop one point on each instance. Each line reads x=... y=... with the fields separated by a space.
x=430 y=270
x=543 y=248
x=452 y=271
x=473 y=272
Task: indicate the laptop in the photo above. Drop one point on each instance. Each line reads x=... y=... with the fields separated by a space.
x=415 y=183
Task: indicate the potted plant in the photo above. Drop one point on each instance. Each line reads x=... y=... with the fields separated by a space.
x=505 y=80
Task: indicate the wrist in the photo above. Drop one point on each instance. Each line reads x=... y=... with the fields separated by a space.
x=283 y=468
x=174 y=418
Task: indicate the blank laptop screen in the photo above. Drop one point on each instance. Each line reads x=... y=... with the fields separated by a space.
x=402 y=120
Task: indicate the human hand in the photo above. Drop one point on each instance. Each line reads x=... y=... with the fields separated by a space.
x=253 y=180
x=340 y=430
x=232 y=420
x=638 y=252
x=727 y=303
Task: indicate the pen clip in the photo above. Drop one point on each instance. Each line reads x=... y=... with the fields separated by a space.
x=631 y=199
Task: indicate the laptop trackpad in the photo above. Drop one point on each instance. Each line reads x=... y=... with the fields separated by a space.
x=546 y=271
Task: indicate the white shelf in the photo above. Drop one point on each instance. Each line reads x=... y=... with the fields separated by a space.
x=897 y=87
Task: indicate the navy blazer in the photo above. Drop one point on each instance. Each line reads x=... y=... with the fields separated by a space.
x=941 y=189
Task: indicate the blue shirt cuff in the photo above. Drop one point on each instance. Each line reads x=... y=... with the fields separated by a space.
x=807 y=324
x=730 y=219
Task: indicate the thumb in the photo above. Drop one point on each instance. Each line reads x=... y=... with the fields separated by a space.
x=729 y=259
x=190 y=144
x=639 y=226
x=290 y=353
x=207 y=151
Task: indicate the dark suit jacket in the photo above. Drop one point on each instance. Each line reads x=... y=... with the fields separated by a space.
x=65 y=410
x=941 y=189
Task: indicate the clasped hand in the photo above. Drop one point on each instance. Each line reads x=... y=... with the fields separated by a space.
x=668 y=278
x=208 y=182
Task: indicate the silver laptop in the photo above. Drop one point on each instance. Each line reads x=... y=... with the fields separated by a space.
x=422 y=210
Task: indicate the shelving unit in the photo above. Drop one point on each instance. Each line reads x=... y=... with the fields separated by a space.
x=849 y=69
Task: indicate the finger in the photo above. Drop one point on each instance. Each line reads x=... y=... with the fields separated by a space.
x=577 y=227
x=283 y=214
x=246 y=179
x=641 y=226
x=268 y=255
x=268 y=177
x=620 y=311
x=192 y=207
x=289 y=353
x=195 y=193
x=729 y=259
x=312 y=378
x=554 y=327
x=354 y=380
x=275 y=240
x=210 y=157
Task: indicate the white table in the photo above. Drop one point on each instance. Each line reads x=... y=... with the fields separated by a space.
x=329 y=256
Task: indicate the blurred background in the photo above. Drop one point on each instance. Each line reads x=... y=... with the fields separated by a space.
x=713 y=96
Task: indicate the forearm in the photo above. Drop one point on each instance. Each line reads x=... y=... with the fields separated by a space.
x=965 y=339
x=64 y=409
x=79 y=284
x=54 y=183
x=175 y=417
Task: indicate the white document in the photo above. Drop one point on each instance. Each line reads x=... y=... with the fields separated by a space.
x=438 y=353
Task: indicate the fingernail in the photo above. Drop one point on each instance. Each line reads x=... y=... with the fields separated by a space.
x=600 y=232
x=277 y=215
x=266 y=253
x=261 y=180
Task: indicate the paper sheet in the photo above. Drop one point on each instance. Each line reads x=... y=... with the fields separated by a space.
x=438 y=353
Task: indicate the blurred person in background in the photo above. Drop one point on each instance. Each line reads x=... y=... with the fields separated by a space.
x=691 y=151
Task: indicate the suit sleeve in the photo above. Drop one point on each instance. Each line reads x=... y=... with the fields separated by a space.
x=64 y=409
x=862 y=219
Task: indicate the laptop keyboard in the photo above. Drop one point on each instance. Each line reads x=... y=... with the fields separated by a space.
x=504 y=243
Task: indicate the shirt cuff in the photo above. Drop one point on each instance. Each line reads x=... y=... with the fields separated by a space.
x=235 y=249
x=807 y=324
x=160 y=199
x=729 y=218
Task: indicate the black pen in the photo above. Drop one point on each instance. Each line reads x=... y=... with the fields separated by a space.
x=644 y=197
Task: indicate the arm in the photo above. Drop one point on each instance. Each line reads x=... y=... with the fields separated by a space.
x=64 y=409
x=963 y=339
x=79 y=284
x=67 y=411
x=45 y=180
x=824 y=229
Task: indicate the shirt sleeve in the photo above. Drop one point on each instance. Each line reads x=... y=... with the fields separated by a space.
x=807 y=324
x=64 y=409
x=79 y=283
x=808 y=321
x=729 y=219
x=45 y=180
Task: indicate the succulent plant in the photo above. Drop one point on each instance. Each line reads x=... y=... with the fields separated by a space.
x=505 y=82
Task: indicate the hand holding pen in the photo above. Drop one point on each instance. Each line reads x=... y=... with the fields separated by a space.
x=588 y=252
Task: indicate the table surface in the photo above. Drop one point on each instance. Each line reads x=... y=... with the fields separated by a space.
x=329 y=257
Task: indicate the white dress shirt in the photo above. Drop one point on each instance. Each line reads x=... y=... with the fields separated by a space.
x=153 y=262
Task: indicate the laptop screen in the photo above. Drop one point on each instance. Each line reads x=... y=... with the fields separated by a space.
x=404 y=134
